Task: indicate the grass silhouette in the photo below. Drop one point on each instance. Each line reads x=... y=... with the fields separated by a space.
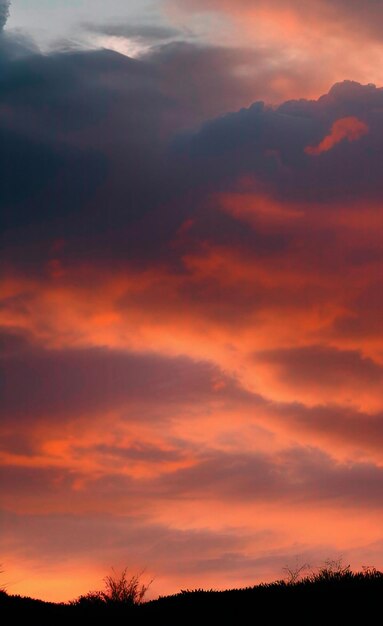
x=332 y=594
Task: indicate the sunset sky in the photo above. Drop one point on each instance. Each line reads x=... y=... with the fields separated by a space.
x=191 y=290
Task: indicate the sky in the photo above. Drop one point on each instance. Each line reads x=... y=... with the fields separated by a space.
x=191 y=291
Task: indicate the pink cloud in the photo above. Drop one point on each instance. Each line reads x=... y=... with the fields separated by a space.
x=350 y=128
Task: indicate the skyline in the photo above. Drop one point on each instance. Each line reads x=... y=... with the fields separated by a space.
x=190 y=317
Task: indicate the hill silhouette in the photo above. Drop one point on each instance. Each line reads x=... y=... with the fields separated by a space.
x=330 y=596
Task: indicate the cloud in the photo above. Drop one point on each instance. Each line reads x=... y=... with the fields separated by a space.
x=4 y=13
x=132 y=107
x=63 y=384
x=134 y=535
x=349 y=128
x=140 y=452
x=269 y=144
x=82 y=174
x=324 y=365
x=300 y=476
x=163 y=551
x=342 y=429
x=143 y=32
x=299 y=14
x=188 y=303
x=362 y=320
x=323 y=374
x=317 y=36
x=293 y=476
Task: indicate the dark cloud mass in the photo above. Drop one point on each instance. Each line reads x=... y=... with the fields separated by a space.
x=86 y=156
x=103 y=110
x=269 y=143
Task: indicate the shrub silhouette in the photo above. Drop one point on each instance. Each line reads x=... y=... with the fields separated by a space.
x=333 y=570
x=332 y=574
x=295 y=573
x=119 y=590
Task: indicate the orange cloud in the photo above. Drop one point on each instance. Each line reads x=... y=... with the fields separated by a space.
x=228 y=304
x=226 y=380
x=350 y=128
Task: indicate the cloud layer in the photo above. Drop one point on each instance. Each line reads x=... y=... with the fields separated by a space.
x=190 y=318
x=322 y=41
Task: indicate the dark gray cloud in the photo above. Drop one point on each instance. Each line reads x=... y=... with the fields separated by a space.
x=296 y=476
x=37 y=483
x=60 y=150
x=213 y=79
x=345 y=426
x=363 y=318
x=300 y=476
x=94 y=159
x=141 y=32
x=268 y=143
x=39 y=383
x=322 y=366
x=130 y=540
x=102 y=163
